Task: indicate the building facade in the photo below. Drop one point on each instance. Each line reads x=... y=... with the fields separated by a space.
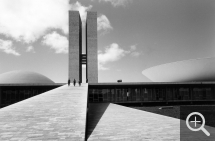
x=152 y=92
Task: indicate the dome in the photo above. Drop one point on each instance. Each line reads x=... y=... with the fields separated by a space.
x=20 y=77
x=183 y=71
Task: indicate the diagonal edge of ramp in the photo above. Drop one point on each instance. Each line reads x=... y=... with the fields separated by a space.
x=95 y=113
x=54 y=115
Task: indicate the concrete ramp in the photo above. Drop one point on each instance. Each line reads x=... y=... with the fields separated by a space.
x=59 y=114
x=115 y=122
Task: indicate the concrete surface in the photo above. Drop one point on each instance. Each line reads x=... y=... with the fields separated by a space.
x=123 y=123
x=92 y=47
x=59 y=114
x=75 y=46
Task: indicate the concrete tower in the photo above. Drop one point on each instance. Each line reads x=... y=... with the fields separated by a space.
x=76 y=58
x=91 y=47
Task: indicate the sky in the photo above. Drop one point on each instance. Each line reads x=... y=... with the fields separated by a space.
x=133 y=35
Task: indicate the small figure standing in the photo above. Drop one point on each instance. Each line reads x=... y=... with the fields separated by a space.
x=86 y=80
x=69 y=82
x=127 y=95
x=79 y=82
x=74 y=81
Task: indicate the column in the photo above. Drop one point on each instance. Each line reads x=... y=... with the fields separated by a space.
x=91 y=47
x=75 y=46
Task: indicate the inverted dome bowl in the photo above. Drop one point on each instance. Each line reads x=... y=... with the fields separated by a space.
x=20 y=77
x=183 y=71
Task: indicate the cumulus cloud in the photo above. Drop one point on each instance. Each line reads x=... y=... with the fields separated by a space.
x=7 y=47
x=117 y=3
x=27 y=20
x=103 y=24
x=30 y=49
x=133 y=47
x=57 y=42
x=135 y=54
x=112 y=53
x=82 y=10
x=133 y=51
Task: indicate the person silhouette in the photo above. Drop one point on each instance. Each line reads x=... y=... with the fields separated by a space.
x=86 y=80
x=74 y=81
x=79 y=82
x=127 y=95
x=69 y=82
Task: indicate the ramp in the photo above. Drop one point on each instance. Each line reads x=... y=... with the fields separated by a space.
x=115 y=122
x=59 y=114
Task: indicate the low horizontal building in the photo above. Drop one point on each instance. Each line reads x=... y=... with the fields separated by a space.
x=16 y=86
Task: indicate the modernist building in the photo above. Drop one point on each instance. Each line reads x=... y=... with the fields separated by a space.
x=19 y=85
x=76 y=58
x=191 y=76
x=16 y=86
x=194 y=70
x=185 y=81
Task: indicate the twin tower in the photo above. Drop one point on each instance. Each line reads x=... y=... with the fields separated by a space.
x=76 y=58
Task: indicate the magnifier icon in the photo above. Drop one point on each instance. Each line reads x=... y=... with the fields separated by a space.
x=201 y=127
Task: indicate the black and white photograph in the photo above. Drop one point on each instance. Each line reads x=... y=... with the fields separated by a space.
x=107 y=70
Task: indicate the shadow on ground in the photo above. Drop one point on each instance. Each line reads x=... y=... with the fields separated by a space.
x=95 y=112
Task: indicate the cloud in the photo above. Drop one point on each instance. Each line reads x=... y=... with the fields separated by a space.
x=101 y=67
x=103 y=24
x=135 y=54
x=57 y=42
x=82 y=10
x=7 y=47
x=133 y=47
x=133 y=51
x=117 y=3
x=30 y=49
x=112 y=53
x=27 y=20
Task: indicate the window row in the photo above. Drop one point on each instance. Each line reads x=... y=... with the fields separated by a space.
x=149 y=94
x=11 y=96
